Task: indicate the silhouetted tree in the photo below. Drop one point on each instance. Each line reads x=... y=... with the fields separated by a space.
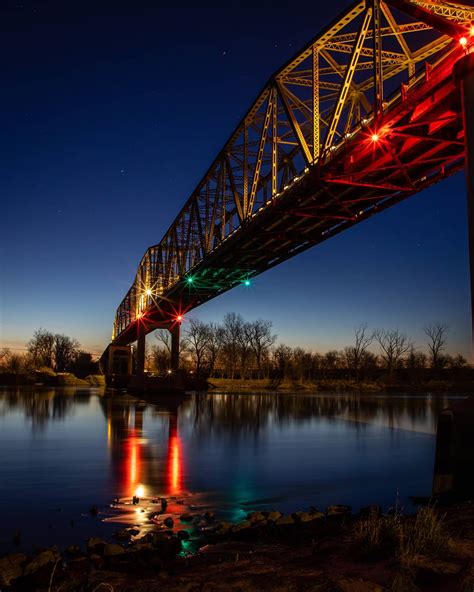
x=65 y=349
x=260 y=339
x=436 y=333
x=41 y=348
x=393 y=346
x=356 y=355
x=197 y=339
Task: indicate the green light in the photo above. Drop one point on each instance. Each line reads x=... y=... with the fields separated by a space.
x=190 y=280
x=246 y=282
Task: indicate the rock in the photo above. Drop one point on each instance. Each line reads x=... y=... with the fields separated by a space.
x=224 y=527
x=186 y=517
x=209 y=516
x=307 y=516
x=95 y=545
x=11 y=568
x=42 y=559
x=183 y=535
x=349 y=585
x=285 y=520
x=73 y=551
x=96 y=560
x=112 y=549
x=339 y=510
x=256 y=517
x=168 y=522
x=246 y=524
x=273 y=516
x=123 y=535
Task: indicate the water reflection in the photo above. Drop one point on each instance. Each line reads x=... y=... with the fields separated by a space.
x=143 y=465
x=74 y=448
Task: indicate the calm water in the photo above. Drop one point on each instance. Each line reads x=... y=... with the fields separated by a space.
x=63 y=451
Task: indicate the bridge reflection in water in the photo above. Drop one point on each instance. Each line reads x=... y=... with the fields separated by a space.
x=140 y=465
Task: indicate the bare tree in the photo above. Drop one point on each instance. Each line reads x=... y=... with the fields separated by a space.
x=232 y=339
x=65 y=350
x=393 y=346
x=41 y=348
x=197 y=340
x=356 y=355
x=260 y=339
x=436 y=333
x=214 y=345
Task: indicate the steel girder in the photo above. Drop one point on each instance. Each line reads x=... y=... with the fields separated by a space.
x=372 y=72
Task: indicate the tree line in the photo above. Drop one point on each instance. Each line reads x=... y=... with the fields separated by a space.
x=236 y=348
x=51 y=351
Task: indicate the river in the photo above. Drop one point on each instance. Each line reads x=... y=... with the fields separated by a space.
x=65 y=451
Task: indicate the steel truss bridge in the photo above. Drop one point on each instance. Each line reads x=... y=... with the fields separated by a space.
x=364 y=116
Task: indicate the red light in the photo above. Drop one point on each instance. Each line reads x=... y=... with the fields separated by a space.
x=471 y=32
x=179 y=318
x=375 y=137
x=463 y=41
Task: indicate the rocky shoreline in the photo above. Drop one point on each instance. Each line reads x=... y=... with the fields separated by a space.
x=331 y=551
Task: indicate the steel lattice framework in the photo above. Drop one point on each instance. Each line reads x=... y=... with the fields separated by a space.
x=363 y=117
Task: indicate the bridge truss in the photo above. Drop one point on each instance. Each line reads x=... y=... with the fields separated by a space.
x=361 y=118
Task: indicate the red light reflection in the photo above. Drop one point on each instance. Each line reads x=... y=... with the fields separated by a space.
x=174 y=466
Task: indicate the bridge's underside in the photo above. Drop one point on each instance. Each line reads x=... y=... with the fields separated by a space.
x=415 y=140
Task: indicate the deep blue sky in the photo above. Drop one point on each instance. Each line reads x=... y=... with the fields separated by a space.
x=112 y=111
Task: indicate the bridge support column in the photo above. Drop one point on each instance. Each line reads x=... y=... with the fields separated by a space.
x=464 y=74
x=140 y=357
x=175 y=334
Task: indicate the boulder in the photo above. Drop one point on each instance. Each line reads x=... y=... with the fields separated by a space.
x=73 y=551
x=223 y=527
x=307 y=516
x=183 y=535
x=256 y=517
x=339 y=510
x=273 y=516
x=112 y=549
x=95 y=545
x=11 y=568
x=246 y=524
x=186 y=517
x=168 y=522
x=44 y=558
x=285 y=520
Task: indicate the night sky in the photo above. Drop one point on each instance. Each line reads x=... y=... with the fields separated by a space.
x=110 y=114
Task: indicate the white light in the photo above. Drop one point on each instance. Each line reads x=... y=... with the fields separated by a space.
x=140 y=491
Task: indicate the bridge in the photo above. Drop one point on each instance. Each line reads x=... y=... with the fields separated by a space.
x=367 y=114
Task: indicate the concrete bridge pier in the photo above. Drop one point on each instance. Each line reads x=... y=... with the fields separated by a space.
x=140 y=355
x=464 y=76
x=175 y=331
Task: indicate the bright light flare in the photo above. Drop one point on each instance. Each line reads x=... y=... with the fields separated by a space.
x=247 y=283
x=179 y=318
x=471 y=31
x=190 y=280
x=148 y=292
x=463 y=41
x=375 y=137
x=139 y=315
x=140 y=491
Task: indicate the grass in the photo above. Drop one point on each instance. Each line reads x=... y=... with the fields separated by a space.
x=404 y=537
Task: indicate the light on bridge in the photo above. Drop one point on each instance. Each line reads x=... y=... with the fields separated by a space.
x=247 y=282
x=375 y=137
x=179 y=318
x=148 y=292
x=139 y=315
x=190 y=279
x=463 y=41
x=471 y=32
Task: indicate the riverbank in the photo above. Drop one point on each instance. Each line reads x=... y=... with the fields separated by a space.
x=339 y=385
x=332 y=551
x=51 y=378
